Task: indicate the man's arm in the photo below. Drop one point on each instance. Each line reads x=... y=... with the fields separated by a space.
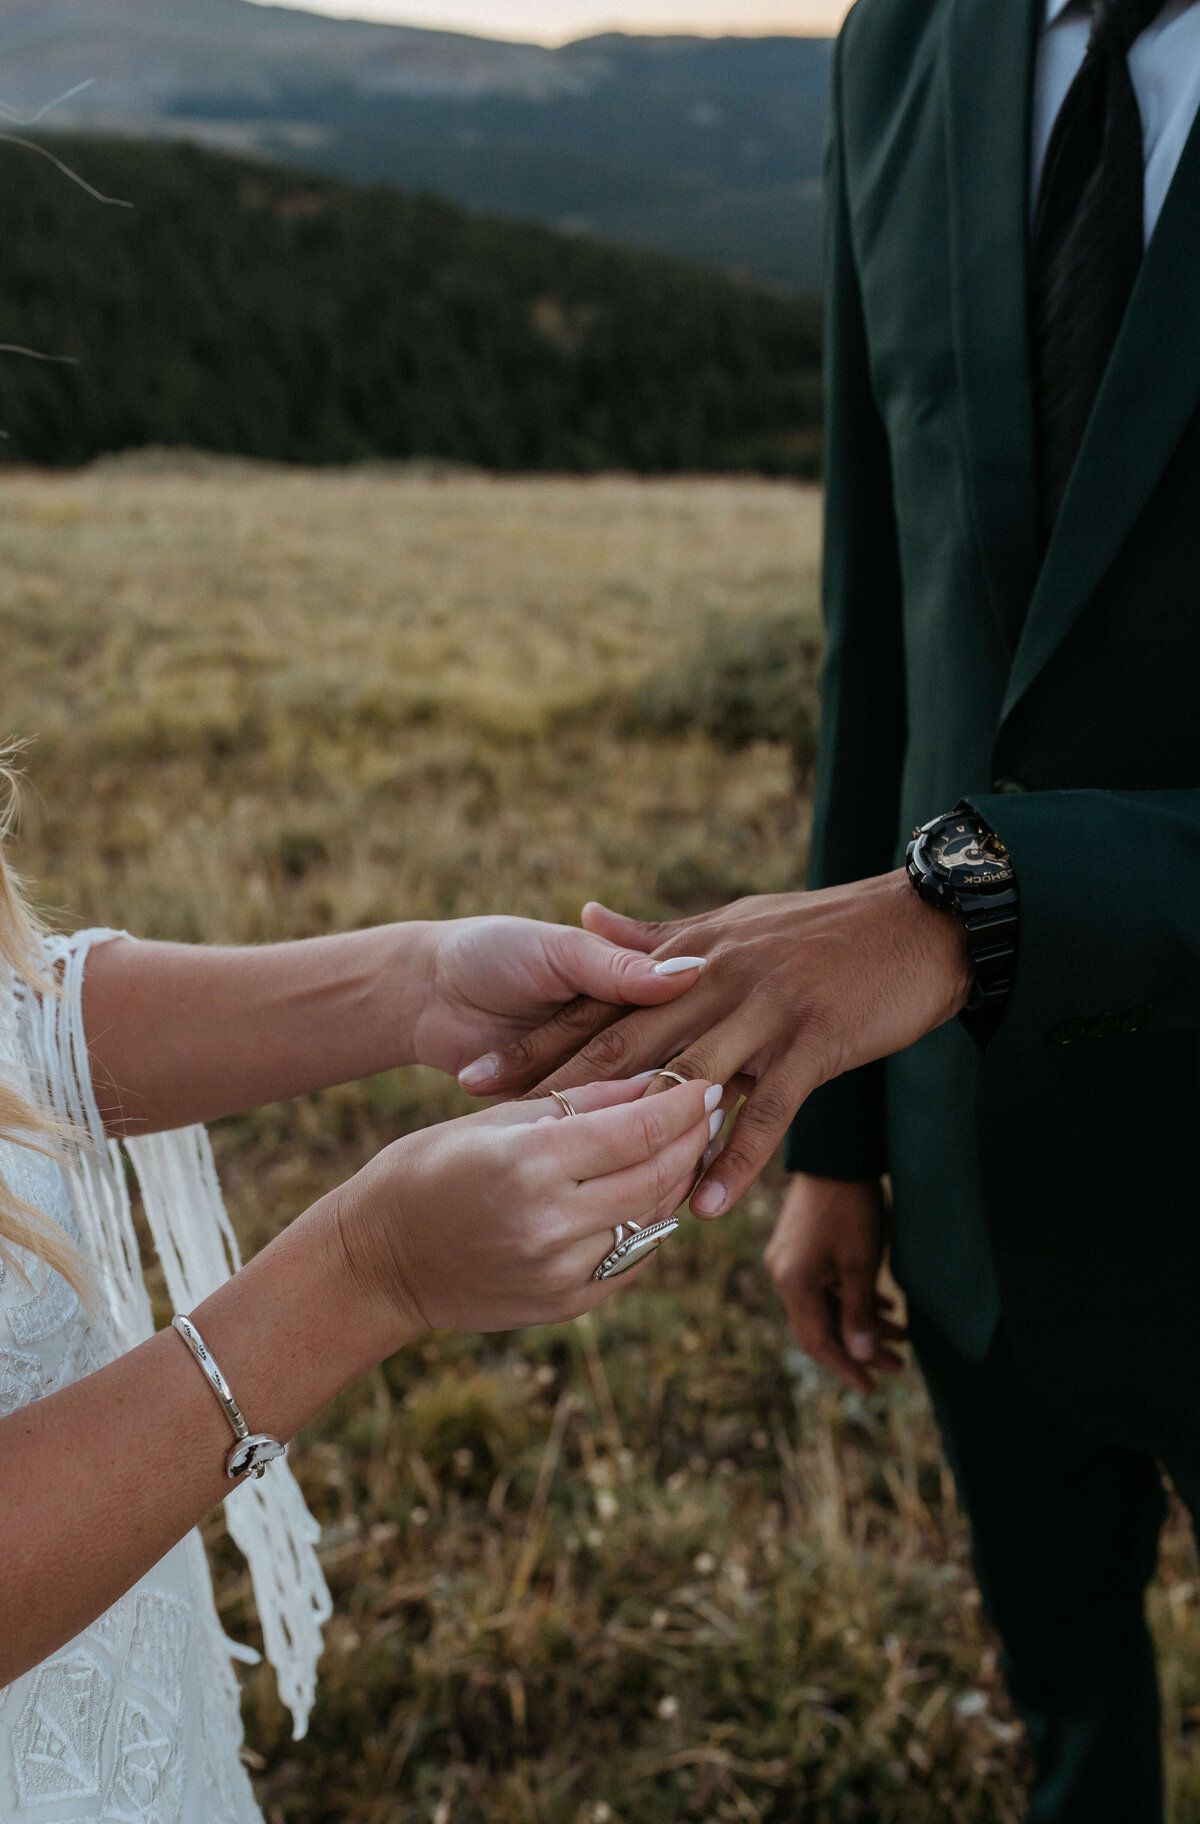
x=1110 y=912
x=804 y=987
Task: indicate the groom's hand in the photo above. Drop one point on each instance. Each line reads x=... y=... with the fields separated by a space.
x=825 y=1256
x=799 y=988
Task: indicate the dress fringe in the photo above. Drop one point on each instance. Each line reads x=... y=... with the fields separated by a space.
x=186 y=1213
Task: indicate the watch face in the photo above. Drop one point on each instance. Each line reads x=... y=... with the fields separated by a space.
x=971 y=857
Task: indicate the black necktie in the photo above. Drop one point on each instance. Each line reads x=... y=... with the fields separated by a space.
x=1088 y=239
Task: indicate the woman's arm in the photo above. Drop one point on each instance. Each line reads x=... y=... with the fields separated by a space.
x=492 y=1222
x=179 y=1033
x=98 y=1481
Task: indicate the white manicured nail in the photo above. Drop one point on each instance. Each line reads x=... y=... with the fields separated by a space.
x=679 y=965
x=712 y=1153
x=716 y=1122
x=481 y=1072
x=712 y=1097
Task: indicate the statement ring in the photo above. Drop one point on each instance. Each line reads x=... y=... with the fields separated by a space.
x=634 y=1243
x=564 y=1102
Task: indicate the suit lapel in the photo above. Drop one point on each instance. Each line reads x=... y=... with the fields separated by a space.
x=989 y=48
x=1149 y=393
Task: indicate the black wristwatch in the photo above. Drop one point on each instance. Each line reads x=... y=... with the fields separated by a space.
x=959 y=865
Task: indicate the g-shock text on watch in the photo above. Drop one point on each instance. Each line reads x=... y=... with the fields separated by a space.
x=959 y=865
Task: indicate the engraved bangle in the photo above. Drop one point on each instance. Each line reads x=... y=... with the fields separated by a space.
x=251 y=1451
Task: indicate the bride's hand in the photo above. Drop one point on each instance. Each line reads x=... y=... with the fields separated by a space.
x=490 y=981
x=500 y=1219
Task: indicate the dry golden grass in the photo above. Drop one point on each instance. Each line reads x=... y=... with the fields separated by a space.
x=291 y=700
x=643 y=1569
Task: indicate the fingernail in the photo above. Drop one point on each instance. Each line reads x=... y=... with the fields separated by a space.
x=643 y=1076
x=712 y=1153
x=712 y=1097
x=861 y=1345
x=480 y=1072
x=710 y=1198
x=716 y=1122
x=679 y=965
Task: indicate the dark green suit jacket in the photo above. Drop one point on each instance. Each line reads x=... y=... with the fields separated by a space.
x=1053 y=1179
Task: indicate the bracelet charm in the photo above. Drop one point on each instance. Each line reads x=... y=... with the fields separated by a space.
x=251 y=1456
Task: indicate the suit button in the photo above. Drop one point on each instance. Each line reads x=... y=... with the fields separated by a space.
x=1136 y=1020
x=1008 y=786
x=1066 y=1032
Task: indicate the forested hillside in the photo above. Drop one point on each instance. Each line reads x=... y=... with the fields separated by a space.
x=244 y=308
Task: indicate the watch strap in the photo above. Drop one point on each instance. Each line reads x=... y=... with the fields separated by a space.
x=991 y=927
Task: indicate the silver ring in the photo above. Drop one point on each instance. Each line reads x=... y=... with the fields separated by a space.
x=565 y=1104
x=675 y=1074
x=634 y=1243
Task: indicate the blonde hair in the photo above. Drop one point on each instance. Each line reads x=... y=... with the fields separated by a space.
x=22 y=1121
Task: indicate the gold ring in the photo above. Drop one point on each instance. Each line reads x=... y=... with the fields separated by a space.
x=565 y=1104
x=675 y=1074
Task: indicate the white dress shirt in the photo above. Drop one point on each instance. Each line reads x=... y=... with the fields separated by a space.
x=1165 y=66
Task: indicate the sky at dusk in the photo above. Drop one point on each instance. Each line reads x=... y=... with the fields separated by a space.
x=556 y=21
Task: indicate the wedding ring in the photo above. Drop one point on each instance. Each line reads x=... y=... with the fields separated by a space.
x=564 y=1102
x=674 y=1074
x=634 y=1243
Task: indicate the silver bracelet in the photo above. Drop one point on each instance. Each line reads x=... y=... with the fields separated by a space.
x=251 y=1451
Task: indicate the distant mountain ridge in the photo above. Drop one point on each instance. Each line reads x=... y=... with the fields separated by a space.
x=709 y=149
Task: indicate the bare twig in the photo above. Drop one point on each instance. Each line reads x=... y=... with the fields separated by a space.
x=31 y=120
x=534 y=1529
x=610 y=1424
x=31 y=145
x=35 y=354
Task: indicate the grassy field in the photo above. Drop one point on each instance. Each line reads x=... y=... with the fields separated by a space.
x=646 y=1568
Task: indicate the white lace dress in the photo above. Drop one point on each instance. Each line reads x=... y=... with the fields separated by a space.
x=136 y=1721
